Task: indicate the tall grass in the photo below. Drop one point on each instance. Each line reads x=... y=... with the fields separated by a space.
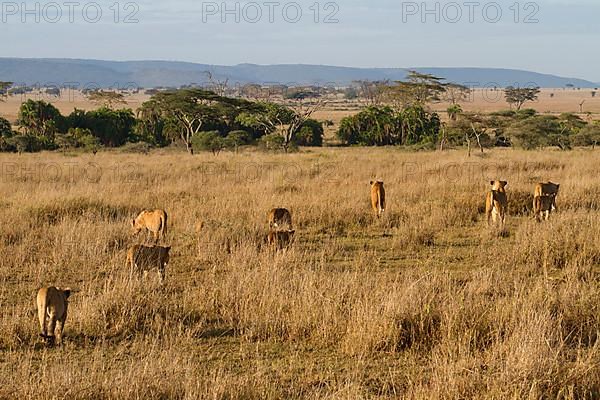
x=427 y=302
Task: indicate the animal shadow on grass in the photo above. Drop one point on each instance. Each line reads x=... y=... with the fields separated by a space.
x=497 y=232
x=216 y=330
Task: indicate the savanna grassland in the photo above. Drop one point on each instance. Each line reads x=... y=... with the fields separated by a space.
x=550 y=101
x=426 y=303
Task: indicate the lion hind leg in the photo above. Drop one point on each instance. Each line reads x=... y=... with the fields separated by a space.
x=51 y=327
x=60 y=324
x=42 y=319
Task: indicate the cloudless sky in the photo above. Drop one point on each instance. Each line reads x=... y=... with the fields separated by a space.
x=550 y=36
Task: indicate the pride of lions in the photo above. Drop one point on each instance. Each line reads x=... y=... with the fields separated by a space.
x=52 y=302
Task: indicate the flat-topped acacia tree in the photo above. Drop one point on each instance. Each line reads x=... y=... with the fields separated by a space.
x=187 y=112
x=519 y=96
x=285 y=121
x=106 y=98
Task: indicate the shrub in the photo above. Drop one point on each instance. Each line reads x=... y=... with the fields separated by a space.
x=272 y=141
x=372 y=126
x=138 y=147
x=5 y=128
x=587 y=136
x=40 y=118
x=381 y=126
x=112 y=127
x=78 y=138
x=209 y=141
x=539 y=131
x=28 y=143
x=310 y=134
x=238 y=138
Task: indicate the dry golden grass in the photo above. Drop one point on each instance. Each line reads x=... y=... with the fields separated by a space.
x=426 y=303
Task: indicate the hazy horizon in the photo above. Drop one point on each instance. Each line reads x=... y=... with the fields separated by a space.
x=551 y=37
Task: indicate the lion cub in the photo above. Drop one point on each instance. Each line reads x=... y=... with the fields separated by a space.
x=52 y=304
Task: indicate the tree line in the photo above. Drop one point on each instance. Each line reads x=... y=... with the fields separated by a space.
x=397 y=113
x=199 y=119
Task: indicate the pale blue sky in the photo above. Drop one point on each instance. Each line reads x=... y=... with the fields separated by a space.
x=564 y=41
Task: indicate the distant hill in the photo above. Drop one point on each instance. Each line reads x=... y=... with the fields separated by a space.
x=174 y=74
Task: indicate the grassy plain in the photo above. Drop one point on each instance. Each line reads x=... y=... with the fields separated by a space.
x=551 y=101
x=426 y=303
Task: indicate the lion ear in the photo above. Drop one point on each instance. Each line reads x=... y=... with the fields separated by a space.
x=492 y=183
x=371 y=182
x=67 y=292
x=504 y=183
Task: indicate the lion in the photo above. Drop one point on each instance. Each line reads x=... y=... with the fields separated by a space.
x=546 y=188
x=52 y=304
x=377 y=197
x=142 y=258
x=154 y=221
x=279 y=217
x=542 y=206
x=496 y=203
x=280 y=239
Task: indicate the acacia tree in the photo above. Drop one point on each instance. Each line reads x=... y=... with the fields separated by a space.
x=4 y=89
x=372 y=91
x=302 y=113
x=186 y=112
x=106 y=98
x=466 y=129
x=254 y=91
x=279 y=119
x=478 y=130
x=455 y=93
x=418 y=88
x=219 y=86
x=519 y=96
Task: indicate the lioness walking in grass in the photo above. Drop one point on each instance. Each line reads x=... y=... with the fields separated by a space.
x=52 y=304
x=141 y=259
x=496 y=203
x=155 y=221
